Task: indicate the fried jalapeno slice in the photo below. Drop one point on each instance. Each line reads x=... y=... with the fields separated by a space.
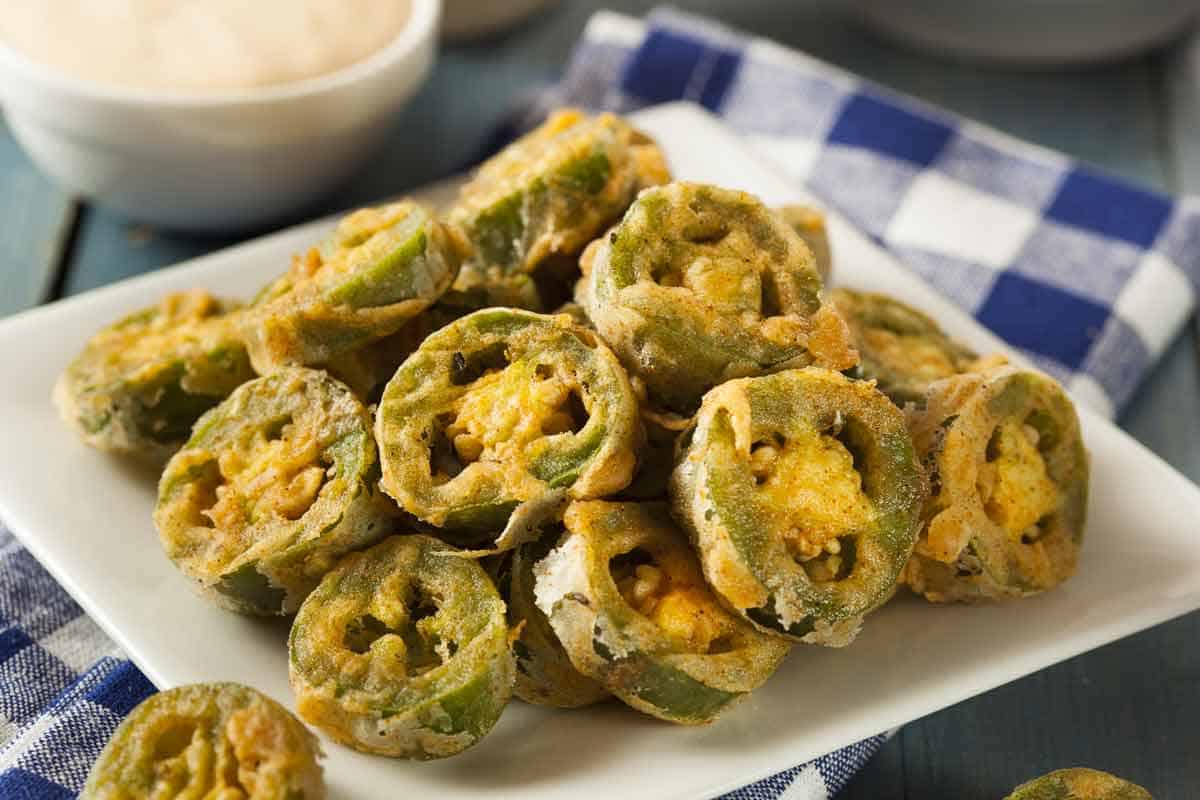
x=698 y=285
x=208 y=740
x=379 y=268
x=500 y=417
x=140 y=384
x=1079 y=784
x=803 y=493
x=403 y=651
x=552 y=191
x=899 y=348
x=809 y=225
x=1009 y=477
x=626 y=597
x=273 y=486
x=545 y=675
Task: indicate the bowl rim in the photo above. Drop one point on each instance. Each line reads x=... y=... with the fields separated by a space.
x=421 y=27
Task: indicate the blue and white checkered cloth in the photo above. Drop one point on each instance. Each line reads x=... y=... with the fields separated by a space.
x=1089 y=276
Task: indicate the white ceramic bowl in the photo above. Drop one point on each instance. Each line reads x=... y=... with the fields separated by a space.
x=1031 y=32
x=215 y=161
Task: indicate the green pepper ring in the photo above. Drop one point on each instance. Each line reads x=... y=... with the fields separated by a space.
x=609 y=640
x=962 y=554
x=403 y=651
x=714 y=495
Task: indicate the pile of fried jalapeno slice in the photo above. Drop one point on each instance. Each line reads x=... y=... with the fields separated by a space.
x=587 y=434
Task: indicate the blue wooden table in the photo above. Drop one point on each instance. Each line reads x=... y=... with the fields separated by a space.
x=1132 y=707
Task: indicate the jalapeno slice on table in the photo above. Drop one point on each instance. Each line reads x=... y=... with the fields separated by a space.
x=809 y=224
x=379 y=268
x=545 y=674
x=552 y=191
x=624 y=593
x=899 y=348
x=208 y=740
x=1079 y=784
x=803 y=493
x=698 y=285
x=273 y=486
x=140 y=383
x=403 y=651
x=1009 y=476
x=500 y=417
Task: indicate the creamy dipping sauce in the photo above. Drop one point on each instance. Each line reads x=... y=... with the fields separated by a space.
x=200 y=45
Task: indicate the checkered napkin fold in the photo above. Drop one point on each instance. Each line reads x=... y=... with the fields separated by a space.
x=1088 y=276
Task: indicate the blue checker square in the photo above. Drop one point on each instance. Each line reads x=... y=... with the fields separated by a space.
x=1078 y=261
x=1043 y=319
x=120 y=691
x=20 y=784
x=12 y=641
x=672 y=67
x=1109 y=207
x=885 y=127
x=966 y=283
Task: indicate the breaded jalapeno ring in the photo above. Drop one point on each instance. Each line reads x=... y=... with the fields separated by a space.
x=552 y=191
x=140 y=383
x=809 y=224
x=625 y=594
x=545 y=675
x=803 y=494
x=698 y=285
x=498 y=416
x=403 y=651
x=1009 y=479
x=275 y=484
x=381 y=267
x=1079 y=784
x=899 y=348
x=208 y=740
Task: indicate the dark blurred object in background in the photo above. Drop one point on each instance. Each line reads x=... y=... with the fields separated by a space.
x=1031 y=32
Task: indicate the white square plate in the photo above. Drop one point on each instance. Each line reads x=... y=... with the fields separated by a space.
x=86 y=516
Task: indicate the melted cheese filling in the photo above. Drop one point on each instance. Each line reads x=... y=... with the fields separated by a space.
x=812 y=485
x=267 y=478
x=505 y=411
x=1014 y=486
x=679 y=605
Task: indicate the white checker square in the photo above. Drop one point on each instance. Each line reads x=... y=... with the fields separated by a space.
x=79 y=644
x=1155 y=301
x=945 y=216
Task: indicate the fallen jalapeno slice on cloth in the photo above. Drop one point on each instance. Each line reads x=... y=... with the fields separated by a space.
x=625 y=595
x=809 y=224
x=403 y=651
x=273 y=486
x=208 y=740
x=698 y=285
x=498 y=419
x=140 y=384
x=802 y=492
x=1079 y=784
x=553 y=190
x=899 y=348
x=380 y=268
x=1009 y=486
x=545 y=674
